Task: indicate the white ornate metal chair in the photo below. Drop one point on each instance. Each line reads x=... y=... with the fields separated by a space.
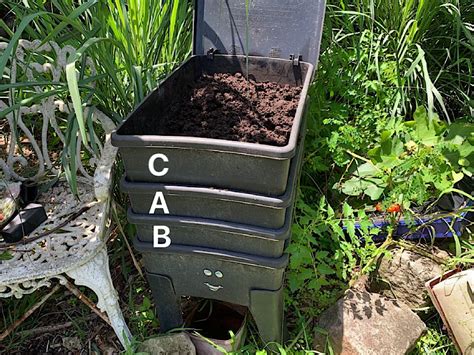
x=66 y=246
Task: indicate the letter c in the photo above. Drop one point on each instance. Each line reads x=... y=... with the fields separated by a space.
x=151 y=164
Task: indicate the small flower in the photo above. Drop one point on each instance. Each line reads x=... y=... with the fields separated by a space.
x=411 y=147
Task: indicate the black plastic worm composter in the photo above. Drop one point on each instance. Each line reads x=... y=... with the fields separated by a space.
x=214 y=216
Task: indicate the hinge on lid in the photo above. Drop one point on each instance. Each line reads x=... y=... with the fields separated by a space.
x=210 y=53
x=296 y=59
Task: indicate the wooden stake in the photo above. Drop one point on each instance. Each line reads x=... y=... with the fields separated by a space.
x=86 y=300
x=28 y=313
x=130 y=250
x=52 y=328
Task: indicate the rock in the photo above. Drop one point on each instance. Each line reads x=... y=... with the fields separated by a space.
x=173 y=344
x=404 y=276
x=72 y=343
x=367 y=324
x=362 y=283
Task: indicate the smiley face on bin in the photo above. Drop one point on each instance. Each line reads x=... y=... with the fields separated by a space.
x=218 y=274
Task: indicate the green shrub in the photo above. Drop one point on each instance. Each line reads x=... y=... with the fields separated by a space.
x=414 y=161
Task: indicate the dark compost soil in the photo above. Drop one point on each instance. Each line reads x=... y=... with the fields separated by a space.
x=226 y=106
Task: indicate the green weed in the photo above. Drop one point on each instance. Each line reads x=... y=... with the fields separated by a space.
x=435 y=341
x=413 y=161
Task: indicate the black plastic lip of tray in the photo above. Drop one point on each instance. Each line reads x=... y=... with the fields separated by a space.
x=253 y=260
x=131 y=133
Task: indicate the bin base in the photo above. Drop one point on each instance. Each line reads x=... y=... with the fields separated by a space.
x=266 y=307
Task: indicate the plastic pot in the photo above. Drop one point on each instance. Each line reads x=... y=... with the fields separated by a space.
x=210 y=233
x=210 y=203
x=225 y=164
x=229 y=206
x=212 y=273
x=426 y=227
x=452 y=295
x=24 y=223
x=247 y=280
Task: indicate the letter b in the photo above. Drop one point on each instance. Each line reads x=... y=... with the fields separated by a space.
x=157 y=236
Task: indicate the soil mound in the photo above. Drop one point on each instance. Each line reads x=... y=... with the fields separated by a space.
x=226 y=106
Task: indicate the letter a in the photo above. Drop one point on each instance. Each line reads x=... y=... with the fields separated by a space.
x=159 y=203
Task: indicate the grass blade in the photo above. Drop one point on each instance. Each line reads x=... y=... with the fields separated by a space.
x=11 y=47
x=74 y=87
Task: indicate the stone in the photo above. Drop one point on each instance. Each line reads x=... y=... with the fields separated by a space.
x=368 y=324
x=172 y=344
x=403 y=276
x=72 y=344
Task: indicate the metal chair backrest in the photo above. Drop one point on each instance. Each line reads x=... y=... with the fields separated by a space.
x=35 y=132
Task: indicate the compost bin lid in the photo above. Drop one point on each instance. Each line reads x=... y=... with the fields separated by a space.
x=276 y=28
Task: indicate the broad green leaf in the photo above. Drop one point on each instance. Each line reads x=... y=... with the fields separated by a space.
x=366 y=169
x=347 y=210
x=458 y=132
x=466 y=150
x=305 y=274
x=301 y=256
x=315 y=284
x=353 y=187
x=322 y=254
x=293 y=282
x=425 y=130
x=325 y=269
x=375 y=154
x=5 y=255
x=386 y=135
x=386 y=142
x=350 y=227
x=457 y=176
x=330 y=211
x=397 y=147
x=389 y=162
x=391 y=147
x=468 y=172
x=374 y=191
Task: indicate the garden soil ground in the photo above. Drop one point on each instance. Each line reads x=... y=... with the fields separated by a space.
x=226 y=106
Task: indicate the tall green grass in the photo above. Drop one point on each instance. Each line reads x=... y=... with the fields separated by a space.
x=132 y=43
x=149 y=39
x=430 y=44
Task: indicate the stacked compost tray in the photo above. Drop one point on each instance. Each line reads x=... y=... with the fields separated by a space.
x=212 y=159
